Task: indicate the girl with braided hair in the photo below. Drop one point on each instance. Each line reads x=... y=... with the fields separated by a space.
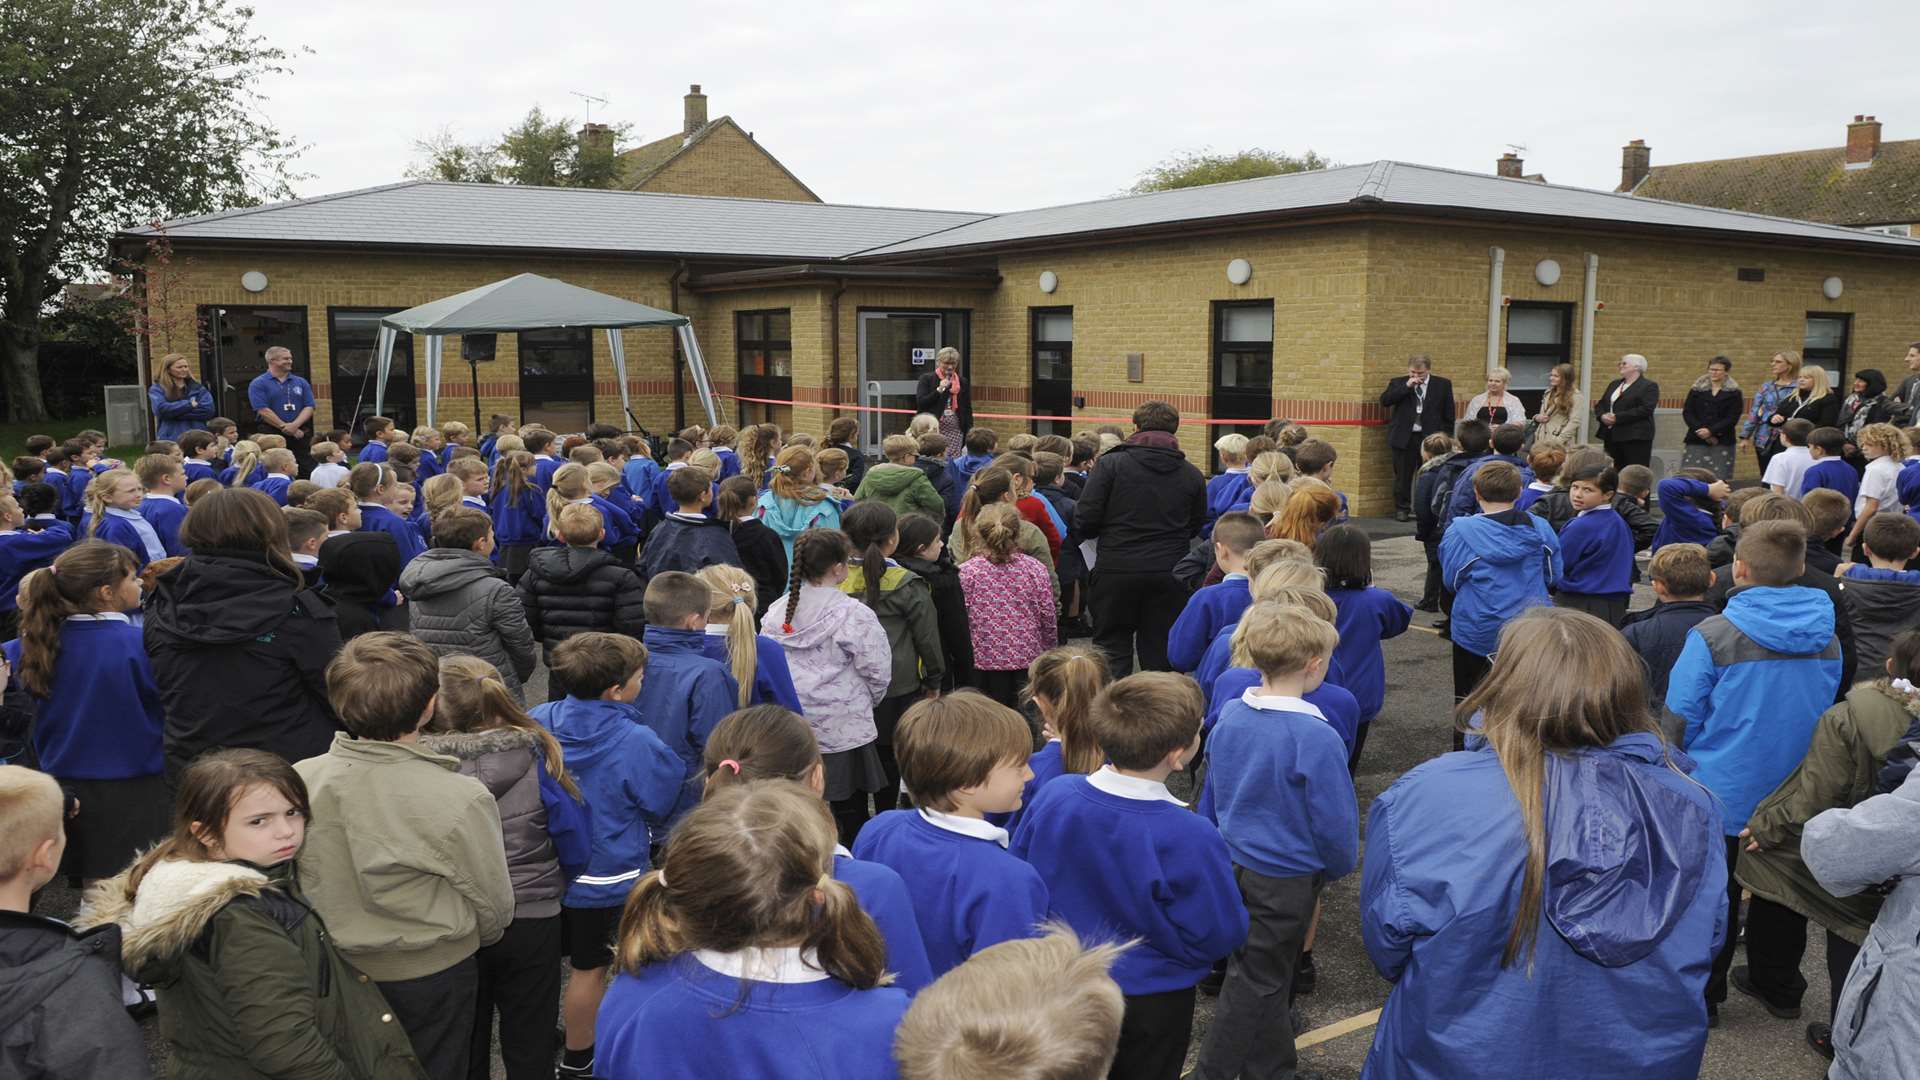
x=842 y=666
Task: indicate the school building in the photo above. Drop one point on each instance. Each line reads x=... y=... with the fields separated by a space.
x=1295 y=296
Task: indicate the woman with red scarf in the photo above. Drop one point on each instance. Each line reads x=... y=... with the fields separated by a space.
x=942 y=393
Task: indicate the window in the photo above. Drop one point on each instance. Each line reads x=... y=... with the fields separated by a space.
x=764 y=340
x=1826 y=345
x=1892 y=230
x=353 y=361
x=1539 y=338
x=1243 y=364
x=233 y=347
x=1053 y=370
x=556 y=379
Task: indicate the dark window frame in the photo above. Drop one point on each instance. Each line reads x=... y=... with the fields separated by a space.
x=213 y=363
x=777 y=387
x=1034 y=344
x=1238 y=399
x=585 y=336
x=345 y=400
x=1844 y=384
x=1563 y=354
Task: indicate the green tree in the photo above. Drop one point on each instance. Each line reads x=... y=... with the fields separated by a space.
x=444 y=157
x=113 y=113
x=1192 y=168
x=539 y=151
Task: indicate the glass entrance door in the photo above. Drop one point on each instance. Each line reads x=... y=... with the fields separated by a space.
x=233 y=351
x=896 y=348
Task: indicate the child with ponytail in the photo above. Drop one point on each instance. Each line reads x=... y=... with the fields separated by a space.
x=758 y=448
x=22 y=551
x=767 y=742
x=113 y=514
x=1062 y=684
x=904 y=603
x=548 y=842
x=758 y=662
x=378 y=489
x=440 y=494
x=572 y=483
x=743 y=956
x=623 y=535
x=1010 y=608
x=842 y=666
x=518 y=509
x=991 y=486
x=793 y=502
x=244 y=469
x=99 y=723
x=761 y=551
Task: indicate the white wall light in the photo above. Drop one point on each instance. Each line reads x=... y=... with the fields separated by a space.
x=1049 y=281
x=1239 y=271
x=1831 y=288
x=253 y=281
x=1546 y=272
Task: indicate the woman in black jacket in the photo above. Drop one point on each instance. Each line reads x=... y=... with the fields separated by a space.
x=1868 y=404
x=239 y=646
x=1625 y=413
x=943 y=393
x=1712 y=414
x=1813 y=401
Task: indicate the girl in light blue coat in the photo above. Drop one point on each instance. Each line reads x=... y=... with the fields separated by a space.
x=793 y=502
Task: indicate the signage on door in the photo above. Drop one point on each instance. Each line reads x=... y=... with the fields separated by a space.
x=921 y=356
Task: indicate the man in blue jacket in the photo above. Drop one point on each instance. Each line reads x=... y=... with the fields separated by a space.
x=1750 y=684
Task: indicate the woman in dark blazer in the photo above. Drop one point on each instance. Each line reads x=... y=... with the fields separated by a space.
x=943 y=393
x=1625 y=413
x=1712 y=414
x=1814 y=401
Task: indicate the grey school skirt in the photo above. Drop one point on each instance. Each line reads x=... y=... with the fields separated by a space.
x=850 y=771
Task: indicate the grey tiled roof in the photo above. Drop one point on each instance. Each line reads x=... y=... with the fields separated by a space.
x=1380 y=184
x=424 y=213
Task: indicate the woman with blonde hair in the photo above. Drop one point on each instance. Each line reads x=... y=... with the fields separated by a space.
x=179 y=402
x=1494 y=406
x=1633 y=912
x=1813 y=400
x=1310 y=508
x=943 y=393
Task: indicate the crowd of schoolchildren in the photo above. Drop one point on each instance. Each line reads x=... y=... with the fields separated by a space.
x=821 y=788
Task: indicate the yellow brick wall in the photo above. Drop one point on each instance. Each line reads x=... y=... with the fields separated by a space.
x=726 y=162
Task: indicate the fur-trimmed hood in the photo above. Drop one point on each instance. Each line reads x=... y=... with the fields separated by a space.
x=468 y=745
x=176 y=901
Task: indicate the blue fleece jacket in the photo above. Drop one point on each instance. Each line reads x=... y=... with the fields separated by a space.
x=1225 y=492
x=102 y=718
x=377 y=518
x=22 y=552
x=1596 y=554
x=1681 y=521
x=960 y=474
x=1365 y=618
x=1461 y=502
x=1831 y=473
x=687 y=544
x=883 y=896
x=631 y=782
x=519 y=521
x=1207 y=610
x=1278 y=773
x=1631 y=917
x=772 y=679
x=1123 y=859
x=1750 y=683
x=165 y=514
x=619 y=524
x=1496 y=571
x=968 y=891
x=680 y=1018
x=685 y=694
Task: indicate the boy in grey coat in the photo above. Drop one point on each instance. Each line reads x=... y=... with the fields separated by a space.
x=459 y=603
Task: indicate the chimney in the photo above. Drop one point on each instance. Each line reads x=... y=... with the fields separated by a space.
x=696 y=110
x=1636 y=161
x=1510 y=165
x=596 y=137
x=1863 y=142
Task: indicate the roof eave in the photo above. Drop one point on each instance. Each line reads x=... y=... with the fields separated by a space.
x=127 y=242
x=830 y=273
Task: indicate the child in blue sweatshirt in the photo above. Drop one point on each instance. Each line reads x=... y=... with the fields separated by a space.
x=687 y=693
x=1231 y=486
x=963 y=756
x=374 y=488
x=22 y=551
x=978 y=445
x=282 y=469
x=733 y=637
x=631 y=783
x=1689 y=508
x=1216 y=606
x=519 y=511
x=1288 y=814
x=98 y=724
x=1123 y=858
x=164 y=482
x=768 y=742
x=113 y=515
x=202 y=453
x=1596 y=548
x=1366 y=617
x=743 y=957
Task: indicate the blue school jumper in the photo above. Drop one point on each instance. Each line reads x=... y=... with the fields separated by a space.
x=968 y=891
x=486 y=446
x=1530 y=495
x=430 y=467
x=1829 y=473
x=1226 y=492
x=685 y=696
x=375 y=452
x=682 y=1017
x=197 y=470
x=630 y=781
x=129 y=530
x=1047 y=762
x=883 y=896
x=1281 y=793
x=659 y=501
x=165 y=514
x=729 y=462
x=772 y=678
x=1213 y=607
x=77 y=483
x=543 y=469
x=1365 y=618
x=62 y=484
x=254 y=478
x=639 y=473
x=1681 y=521
x=377 y=518
x=519 y=521
x=23 y=551
x=102 y=718
x=1596 y=549
x=274 y=487
x=1122 y=858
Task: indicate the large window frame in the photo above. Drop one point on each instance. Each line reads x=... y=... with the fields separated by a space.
x=1052 y=395
x=556 y=395
x=1834 y=360
x=1534 y=353
x=1240 y=399
x=353 y=394
x=758 y=343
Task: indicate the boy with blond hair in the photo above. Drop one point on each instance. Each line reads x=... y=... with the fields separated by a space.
x=1123 y=858
x=1042 y=1008
x=386 y=810
x=163 y=505
x=901 y=484
x=329 y=464
x=1231 y=486
x=1287 y=811
x=962 y=757
x=281 y=468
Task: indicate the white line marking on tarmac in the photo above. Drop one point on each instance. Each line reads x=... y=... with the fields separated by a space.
x=1334 y=1031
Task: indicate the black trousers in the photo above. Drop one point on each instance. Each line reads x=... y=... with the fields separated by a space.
x=886 y=717
x=1723 y=960
x=519 y=978
x=1002 y=686
x=1406 y=463
x=1154 y=1033
x=437 y=1012
x=1430 y=590
x=1252 y=1035
x=1610 y=608
x=1468 y=669
x=1630 y=452
x=1134 y=612
x=1776 y=943
x=1359 y=744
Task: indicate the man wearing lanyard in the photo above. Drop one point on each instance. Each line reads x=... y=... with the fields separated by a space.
x=284 y=403
x=1419 y=404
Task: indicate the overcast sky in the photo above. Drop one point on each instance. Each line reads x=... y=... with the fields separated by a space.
x=1005 y=106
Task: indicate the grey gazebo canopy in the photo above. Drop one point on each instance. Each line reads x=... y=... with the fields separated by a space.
x=532 y=302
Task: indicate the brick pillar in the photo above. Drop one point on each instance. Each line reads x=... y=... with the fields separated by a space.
x=1863 y=140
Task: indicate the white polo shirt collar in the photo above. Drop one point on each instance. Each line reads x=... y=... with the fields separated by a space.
x=1280 y=703
x=965 y=826
x=783 y=965
x=1131 y=787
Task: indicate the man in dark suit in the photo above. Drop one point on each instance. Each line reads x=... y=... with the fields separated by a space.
x=1421 y=404
x=1625 y=413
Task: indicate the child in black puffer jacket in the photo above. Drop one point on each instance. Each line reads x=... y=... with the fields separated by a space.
x=571 y=590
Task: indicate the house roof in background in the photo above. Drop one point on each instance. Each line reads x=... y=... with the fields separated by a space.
x=639 y=164
x=1814 y=185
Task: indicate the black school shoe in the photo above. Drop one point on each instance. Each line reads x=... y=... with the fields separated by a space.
x=1820 y=1037
x=1741 y=979
x=1305 y=979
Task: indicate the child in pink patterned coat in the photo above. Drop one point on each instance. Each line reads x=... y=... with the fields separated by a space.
x=842 y=665
x=1009 y=605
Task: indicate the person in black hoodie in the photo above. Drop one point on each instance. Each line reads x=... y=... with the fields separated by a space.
x=1143 y=504
x=920 y=550
x=840 y=436
x=239 y=648
x=577 y=588
x=1681 y=577
x=762 y=553
x=360 y=570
